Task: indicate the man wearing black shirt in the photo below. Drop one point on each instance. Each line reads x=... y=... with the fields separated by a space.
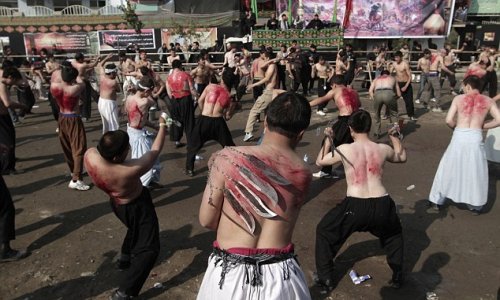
x=315 y=23
x=272 y=23
x=351 y=58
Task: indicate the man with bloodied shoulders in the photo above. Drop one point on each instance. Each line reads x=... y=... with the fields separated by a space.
x=252 y=199
x=131 y=202
x=347 y=101
x=180 y=89
x=367 y=206
x=71 y=130
x=137 y=107
x=216 y=107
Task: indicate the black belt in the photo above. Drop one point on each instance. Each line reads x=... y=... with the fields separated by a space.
x=230 y=261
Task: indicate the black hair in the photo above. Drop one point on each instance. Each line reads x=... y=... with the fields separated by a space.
x=227 y=79
x=122 y=54
x=337 y=79
x=473 y=81
x=110 y=66
x=176 y=64
x=7 y=63
x=12 y=72
x=398 y=53
x=145 y=71
x=385 y=72
x=79 y=56
x=360 y=121
x=313 y=46
x=427 y=51
x=145 y=83
x=288 y=114
x=113 y=144
x=69 y=73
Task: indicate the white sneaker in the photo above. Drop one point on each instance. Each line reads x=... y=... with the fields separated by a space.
x=57 y=129
x=78 y=185
x=320 y=112
x=198 y=157
x=437 y=109
x=433 y=100
x=417 y=101
x=325 y=110
x=248 y=136
x=321 y=174
x=454 y=93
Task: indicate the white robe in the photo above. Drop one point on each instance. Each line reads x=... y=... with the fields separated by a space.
x=462 y=175
x=141 y=142
x=109 y=111
x=273 y=287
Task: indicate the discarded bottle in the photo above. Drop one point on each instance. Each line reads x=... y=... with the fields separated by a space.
x=358 y=279
x=318 y=131
x=306 y=158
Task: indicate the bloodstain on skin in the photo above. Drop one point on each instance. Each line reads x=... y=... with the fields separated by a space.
x=433 y=57
x=475 y=103
x=351 y=99
x=218 y=94
x=475 y=72
x=178 y=82
x=65 y=102
x=374 y=166
x=135 y=114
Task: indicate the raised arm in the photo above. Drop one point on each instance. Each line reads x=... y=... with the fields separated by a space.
x=4 y=97
x=327 y=97
x=397 y=154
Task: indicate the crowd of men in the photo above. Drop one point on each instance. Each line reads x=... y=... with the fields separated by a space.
x=254 y=194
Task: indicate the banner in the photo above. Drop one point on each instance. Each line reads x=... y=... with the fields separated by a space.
x=207 y=37
x=69 y=42
x=110 y=40
x=484 y=8
x=383 y=19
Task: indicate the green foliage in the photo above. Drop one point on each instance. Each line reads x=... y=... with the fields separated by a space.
x=131 y=17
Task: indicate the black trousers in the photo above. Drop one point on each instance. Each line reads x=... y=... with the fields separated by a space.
x=142 y=241
x=7 y=214
x=349 y=76
x=26 y=97
x=257 y=90
x=88 y=94
x=54 y=107
x=182 y=110
x=342 y=136
x=300 y=78
x=8 y=138
x=490 y=80
x=323 y=88
x=375 y=215
x=281 y=76
x=408 y=98
x=206 y=129
x=451 y=77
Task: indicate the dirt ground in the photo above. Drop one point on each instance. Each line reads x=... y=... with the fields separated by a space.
x=74 y=237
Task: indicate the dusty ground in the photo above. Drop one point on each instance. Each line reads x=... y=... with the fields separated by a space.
x=74 y=237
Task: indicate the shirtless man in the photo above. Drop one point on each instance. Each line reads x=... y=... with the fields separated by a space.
x=382 y=92
x=127 y=65
x=71 y=130
x=380 y=62
x=342 y=64
x=323 y=71
x=84 y=67
x=258 y=73
x=270 y=80
x=173 y=56
x=137 y=107
x=347 y=102
x=215 y=105
x=201 y=75
x=181 y=91
x=253 y=199
x=489 y=58
x=118 y=176
x=403 y=78
x=449 y=62
x=143 y=60
x=52 y=67
x=108 y=87
x=8 y=77
x=437 y=63
x=424 y=64
x=462 y=175
x=230 y=66
x=363 y=162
